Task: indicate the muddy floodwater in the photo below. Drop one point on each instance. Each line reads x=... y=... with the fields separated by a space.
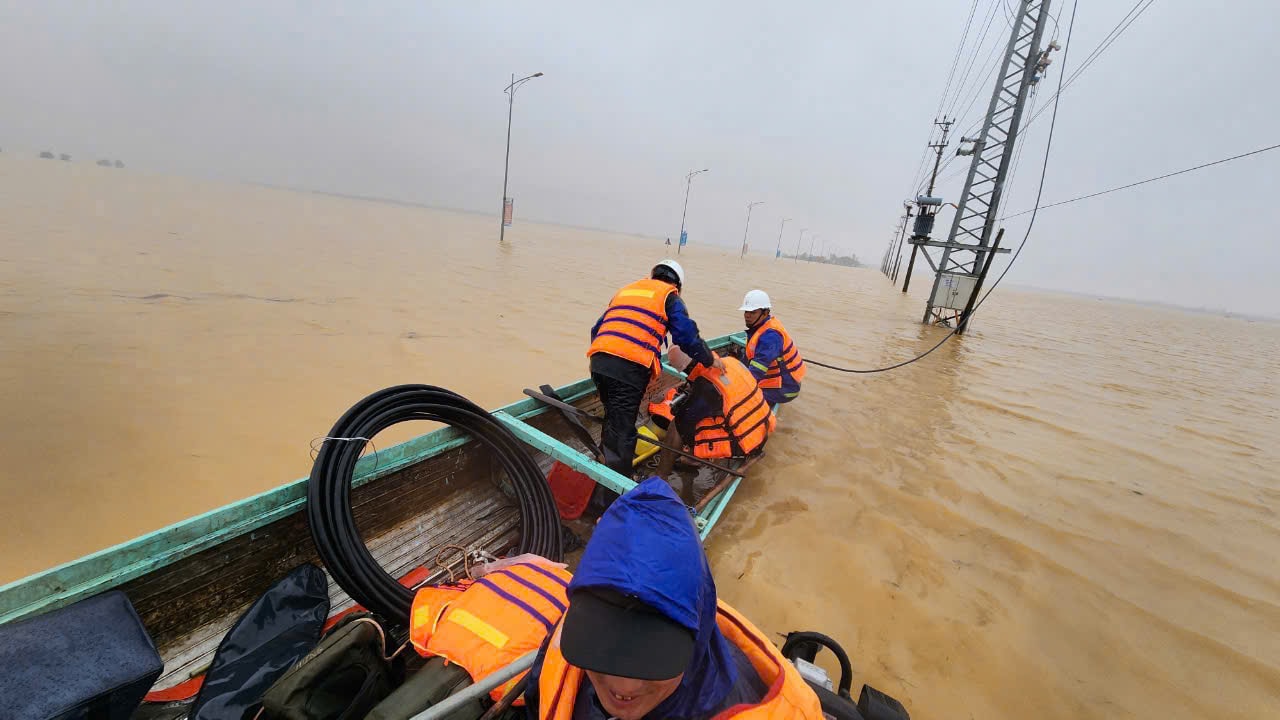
x=1069 y=513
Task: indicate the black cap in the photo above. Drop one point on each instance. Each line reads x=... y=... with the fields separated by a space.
x=607 y=632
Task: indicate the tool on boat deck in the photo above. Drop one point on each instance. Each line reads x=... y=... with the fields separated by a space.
x=479 y=689
x=583 y=413
x=512 y=695
x=575 y=424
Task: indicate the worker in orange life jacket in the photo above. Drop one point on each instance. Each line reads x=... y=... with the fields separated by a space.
x=645 y=637
x=715 y=415
x=626 y=349
x=771 y=354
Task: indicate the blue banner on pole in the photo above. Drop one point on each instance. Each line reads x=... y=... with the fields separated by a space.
x=684 y=238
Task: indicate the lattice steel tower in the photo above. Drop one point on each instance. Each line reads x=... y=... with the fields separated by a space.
x=966 y=247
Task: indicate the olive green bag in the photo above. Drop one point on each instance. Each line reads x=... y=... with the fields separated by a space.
x=346 y=675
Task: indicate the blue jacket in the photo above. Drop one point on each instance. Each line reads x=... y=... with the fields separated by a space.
x=646 y=546
x=683 y=330
x=769 y=349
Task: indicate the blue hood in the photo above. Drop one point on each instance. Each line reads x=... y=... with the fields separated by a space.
x=646 y=546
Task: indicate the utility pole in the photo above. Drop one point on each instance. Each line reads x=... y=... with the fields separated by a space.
x=798 y=241
x=968 y=242
x=897 y=254
x=928 y=204
x=506 y=166
x=748 y=227
x=688 y=183
x=777 y=253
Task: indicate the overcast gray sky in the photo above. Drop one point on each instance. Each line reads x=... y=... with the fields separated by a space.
x=819 y=109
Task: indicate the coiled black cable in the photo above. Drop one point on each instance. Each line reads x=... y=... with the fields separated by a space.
x=332 y=523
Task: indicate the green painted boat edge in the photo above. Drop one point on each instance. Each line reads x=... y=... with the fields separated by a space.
x=714 y=509
x=115 y=565
x=539 y=440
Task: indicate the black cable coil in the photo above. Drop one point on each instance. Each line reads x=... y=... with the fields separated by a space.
x=329 y=515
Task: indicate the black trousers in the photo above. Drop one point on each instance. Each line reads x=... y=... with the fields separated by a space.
x=621 y=409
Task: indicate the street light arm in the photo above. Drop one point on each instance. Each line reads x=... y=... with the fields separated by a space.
x=516 y=85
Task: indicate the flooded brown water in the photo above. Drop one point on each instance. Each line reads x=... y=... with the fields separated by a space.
x=1070 y=513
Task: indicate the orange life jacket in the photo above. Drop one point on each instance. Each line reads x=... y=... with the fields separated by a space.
x=744 y=422
x=789 y=360
x=788 y=695
x=487 y=624
x=635 y=324
x=663 y=409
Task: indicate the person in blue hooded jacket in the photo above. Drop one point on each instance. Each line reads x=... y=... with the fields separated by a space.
x=644 y=637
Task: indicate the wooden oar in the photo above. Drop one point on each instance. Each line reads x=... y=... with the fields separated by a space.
x=723 y=485
x=575 y=425
x=583 y=413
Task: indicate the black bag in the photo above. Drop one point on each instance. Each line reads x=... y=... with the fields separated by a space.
x=344 y=677
x=90 y=659
x=277 y=631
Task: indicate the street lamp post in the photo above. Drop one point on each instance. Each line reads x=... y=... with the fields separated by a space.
x=506 y=166
x=798 y=241
x=777 y=253
x=812 y=239
x=748 y=227
x=688 y=183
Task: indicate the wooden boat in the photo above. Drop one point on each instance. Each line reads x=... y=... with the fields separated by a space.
x=190 y=581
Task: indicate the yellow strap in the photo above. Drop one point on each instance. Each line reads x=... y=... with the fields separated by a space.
x=636 y=293
x=484 y=630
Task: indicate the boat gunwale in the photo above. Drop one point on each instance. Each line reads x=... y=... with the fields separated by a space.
x=115 y=565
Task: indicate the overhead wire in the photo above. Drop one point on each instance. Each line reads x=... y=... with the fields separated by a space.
x=956 y=60
x=977 y=48
x=918 y=178
x=922 y=173
x=945 y=171
x=1107 y=41
x=1144 y=182
x=1044 y=170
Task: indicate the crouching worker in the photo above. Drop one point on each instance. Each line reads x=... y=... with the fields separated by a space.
x=714 y=415
x=644 y=636
x=480 y=626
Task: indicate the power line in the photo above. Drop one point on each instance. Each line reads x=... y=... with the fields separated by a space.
x=956 y=61
x=1116 y=31
x=1104 y=44
x=1022 y=144
x=917 y=178
x=1148 y=180
x=1044 y=170
x=977 y=48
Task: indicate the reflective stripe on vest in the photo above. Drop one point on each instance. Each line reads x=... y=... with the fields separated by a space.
x=493 y=621
x=634 y=326
x=789 y=360
x=787 y=697
x=744 y=422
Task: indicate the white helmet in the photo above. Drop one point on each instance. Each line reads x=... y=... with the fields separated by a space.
x=755 y=300
x=675 y=267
